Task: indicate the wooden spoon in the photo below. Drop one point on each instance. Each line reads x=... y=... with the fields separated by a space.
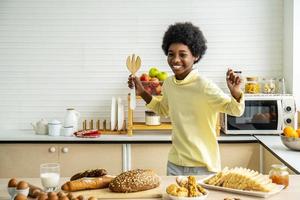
x=133 y=65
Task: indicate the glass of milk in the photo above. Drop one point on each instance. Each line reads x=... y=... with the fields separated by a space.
x=50 y=173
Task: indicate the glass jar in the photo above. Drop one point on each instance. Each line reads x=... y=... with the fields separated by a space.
x=281 y=86
x=151 y=118
x=252 y=85
x=269 y=86
x=279 y=174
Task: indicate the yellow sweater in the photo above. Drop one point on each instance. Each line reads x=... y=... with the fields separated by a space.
x=193 y=105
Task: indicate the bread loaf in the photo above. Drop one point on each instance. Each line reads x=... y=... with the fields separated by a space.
x=134 y=181
x=89 y=173
x=87 y=184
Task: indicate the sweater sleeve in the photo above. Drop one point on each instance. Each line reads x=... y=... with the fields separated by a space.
x=222 y=102
x=159 y=104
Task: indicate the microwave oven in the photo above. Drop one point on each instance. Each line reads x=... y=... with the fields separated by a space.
x=264 y=114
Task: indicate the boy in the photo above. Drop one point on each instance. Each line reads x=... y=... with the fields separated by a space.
x=192 y=102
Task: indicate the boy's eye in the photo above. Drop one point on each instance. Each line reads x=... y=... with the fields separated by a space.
x=183 y=55
x=170 y=54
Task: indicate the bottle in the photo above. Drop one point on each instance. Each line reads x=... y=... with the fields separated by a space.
x=279 y=175
x=252 y=85
x=281 y=86
x=268 y=85
x=71 y=119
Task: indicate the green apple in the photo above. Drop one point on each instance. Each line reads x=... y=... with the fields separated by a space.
x=153 y=72
x=162 y=76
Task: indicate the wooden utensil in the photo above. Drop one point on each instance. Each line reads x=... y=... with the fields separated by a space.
x=133 y=65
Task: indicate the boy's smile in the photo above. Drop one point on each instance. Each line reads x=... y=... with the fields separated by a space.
x=181 y=60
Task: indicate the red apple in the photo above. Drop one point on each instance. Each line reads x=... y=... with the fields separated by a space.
x=154 y=81
x=144 y=77
x=148 y=89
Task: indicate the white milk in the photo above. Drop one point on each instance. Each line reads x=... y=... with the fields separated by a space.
x=50 y=180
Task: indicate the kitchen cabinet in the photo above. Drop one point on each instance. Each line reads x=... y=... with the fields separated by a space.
x=23 y=160
x=155 y=156
x=240 y=155
x=268 y=160
x=150 y=156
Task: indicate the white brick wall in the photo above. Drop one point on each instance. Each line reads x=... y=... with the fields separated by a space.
x=56 y=54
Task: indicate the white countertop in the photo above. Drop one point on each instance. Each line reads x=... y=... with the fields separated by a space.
x=274 y=145
x=146 y=136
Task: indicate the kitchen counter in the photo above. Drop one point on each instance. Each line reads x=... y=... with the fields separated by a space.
x=139 y=137
x=274 y=145
x=271 y=142
x=292 y=192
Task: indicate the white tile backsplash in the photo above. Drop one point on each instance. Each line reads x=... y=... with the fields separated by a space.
x=57 y=54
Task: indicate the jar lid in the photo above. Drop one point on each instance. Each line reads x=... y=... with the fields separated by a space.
x=279 y=167
x=150 y=113
x=253 y=78
x=70 y=109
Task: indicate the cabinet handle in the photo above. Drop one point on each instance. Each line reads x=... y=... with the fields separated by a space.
x=65 y=150
x=52 y=149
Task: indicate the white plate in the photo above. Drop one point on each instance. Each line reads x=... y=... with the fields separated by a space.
x=245 y=192
x=113 y=114
x=120 y=114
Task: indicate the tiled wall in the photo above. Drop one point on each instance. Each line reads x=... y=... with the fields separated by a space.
x=57 y=54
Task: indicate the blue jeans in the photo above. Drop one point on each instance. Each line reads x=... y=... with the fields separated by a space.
x=176 y=170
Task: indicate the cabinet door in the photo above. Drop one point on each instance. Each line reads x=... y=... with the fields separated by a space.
x=150 y=156
x=240 y=155
x=24 y=160
x=75 y=158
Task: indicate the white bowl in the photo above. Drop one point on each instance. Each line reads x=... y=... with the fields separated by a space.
x=290 y=142
x=188 y=198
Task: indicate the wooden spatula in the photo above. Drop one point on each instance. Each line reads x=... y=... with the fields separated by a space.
x=133 y=65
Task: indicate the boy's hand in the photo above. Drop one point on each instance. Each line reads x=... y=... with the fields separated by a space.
x=135 y=81
x=234 y=84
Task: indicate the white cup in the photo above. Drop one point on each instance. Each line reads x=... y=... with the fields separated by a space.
x=54 y=128
x=67 y=131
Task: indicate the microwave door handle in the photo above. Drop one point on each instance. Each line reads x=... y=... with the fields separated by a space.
x=280 y=115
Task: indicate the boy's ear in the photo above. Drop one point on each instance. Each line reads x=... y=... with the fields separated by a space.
x=196 y=58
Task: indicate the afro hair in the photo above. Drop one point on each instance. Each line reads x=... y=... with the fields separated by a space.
x=187 y=34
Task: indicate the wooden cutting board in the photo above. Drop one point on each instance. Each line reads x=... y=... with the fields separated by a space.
x=107 y=194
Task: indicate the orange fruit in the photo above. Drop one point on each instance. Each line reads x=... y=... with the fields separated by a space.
x=298 y=132
x=288 y=131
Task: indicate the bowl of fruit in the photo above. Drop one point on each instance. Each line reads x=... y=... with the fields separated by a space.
x=153 y=80
x=291 y=138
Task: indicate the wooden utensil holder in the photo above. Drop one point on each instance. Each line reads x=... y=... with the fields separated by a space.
x=104 y=129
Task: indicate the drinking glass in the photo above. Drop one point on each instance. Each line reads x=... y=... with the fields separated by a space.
x=50 y=174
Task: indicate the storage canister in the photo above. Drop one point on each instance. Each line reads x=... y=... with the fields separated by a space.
x=252 y=85
x=279 y=174
x=151 y=118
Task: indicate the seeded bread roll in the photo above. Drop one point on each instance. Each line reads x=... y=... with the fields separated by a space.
x=134 y=181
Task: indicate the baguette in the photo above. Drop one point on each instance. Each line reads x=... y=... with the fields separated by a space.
x=87 y=184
